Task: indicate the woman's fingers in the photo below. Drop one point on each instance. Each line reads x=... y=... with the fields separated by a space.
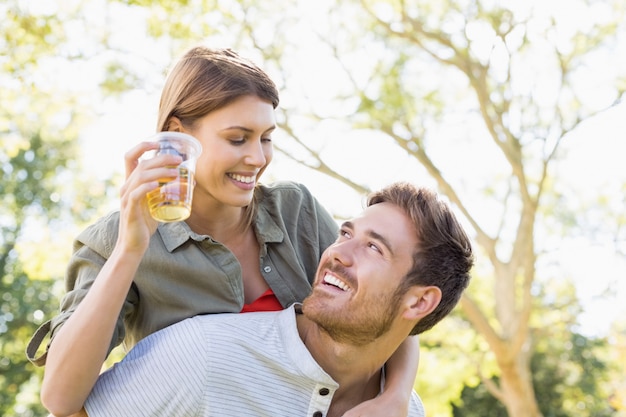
x=133 y=194
x=132 y=156
x=142 y=176
x=140 y=171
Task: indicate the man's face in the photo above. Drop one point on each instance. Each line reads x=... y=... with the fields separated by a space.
x=354 y=295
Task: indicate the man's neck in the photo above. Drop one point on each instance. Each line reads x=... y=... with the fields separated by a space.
x=357 y=370
x=349 y=396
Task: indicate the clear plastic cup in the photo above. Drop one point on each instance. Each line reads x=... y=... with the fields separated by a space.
x=171 y=202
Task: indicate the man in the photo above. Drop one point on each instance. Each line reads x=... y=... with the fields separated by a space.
x=395 y=270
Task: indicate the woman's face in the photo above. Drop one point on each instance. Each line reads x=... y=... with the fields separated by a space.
x=236 y=149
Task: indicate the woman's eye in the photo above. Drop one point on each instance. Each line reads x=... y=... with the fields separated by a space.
x=238 y=141
x=266 y=139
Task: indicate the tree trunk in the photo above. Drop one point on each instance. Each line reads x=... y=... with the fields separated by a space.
x=516 y=386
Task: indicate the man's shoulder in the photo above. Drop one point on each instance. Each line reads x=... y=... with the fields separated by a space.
x=416 y=407
x=206 y=333
x=235 y=322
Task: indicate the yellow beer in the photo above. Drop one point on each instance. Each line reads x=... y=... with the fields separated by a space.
x=171 y=202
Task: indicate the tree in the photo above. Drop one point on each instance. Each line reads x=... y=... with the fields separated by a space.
x=570 y=372
x=484 y=58
x=42 y=199
x=424 y=83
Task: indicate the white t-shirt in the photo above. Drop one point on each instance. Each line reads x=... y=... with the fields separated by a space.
x=220 y=365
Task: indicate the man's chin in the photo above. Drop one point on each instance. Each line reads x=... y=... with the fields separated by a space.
x=317 y=302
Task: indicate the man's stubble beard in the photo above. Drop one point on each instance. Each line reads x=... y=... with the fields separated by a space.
x=366 y=322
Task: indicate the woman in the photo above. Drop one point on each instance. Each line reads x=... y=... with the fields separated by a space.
x=245 y=247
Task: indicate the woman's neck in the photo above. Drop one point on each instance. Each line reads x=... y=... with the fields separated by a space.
x=222 y=224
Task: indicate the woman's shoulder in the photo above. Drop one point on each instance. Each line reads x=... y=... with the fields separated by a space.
x=290 y=199
x=101 y=235
x=287 y=197
x=283 y=189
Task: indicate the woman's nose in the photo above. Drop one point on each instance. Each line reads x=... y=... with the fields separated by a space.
x=256 y=154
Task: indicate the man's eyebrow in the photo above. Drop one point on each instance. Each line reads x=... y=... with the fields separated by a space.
x=374 y=235
x=381 y=239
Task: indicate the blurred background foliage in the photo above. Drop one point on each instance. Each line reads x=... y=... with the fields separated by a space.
x=478 y=99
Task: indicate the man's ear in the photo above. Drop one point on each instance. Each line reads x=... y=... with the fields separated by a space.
x=421 y=301
x=175 y=125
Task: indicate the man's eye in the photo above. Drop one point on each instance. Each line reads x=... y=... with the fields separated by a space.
x=375 y=247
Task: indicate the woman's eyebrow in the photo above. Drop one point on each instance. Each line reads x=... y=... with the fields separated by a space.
x=247 y=129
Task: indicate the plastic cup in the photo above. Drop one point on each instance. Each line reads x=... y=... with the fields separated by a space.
x=171 y=201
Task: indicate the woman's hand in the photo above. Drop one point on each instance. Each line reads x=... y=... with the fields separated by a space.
x=401 y=370
x=142 y=176
x=383 y=405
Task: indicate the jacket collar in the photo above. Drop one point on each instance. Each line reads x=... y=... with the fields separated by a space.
x=176 y=233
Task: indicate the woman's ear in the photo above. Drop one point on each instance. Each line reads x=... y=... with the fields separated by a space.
x=174 y=125
x=421 y=301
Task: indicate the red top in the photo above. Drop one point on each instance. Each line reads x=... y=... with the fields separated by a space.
x=266 y=302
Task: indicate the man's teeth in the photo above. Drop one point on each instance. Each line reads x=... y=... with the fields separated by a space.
x=241 y=178
x=332 y=280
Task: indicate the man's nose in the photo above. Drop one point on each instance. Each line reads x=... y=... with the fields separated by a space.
x=342 y=252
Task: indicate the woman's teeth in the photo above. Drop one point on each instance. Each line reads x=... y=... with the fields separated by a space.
x=241 y=178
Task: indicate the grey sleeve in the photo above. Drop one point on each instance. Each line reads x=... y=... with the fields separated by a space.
x=84 y=267
x=91 y=249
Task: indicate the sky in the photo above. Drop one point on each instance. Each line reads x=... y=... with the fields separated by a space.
x=595 y=161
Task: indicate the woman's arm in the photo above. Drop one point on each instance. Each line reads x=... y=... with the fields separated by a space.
x=81 y=413
x=80 y=347
x=401 y=370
